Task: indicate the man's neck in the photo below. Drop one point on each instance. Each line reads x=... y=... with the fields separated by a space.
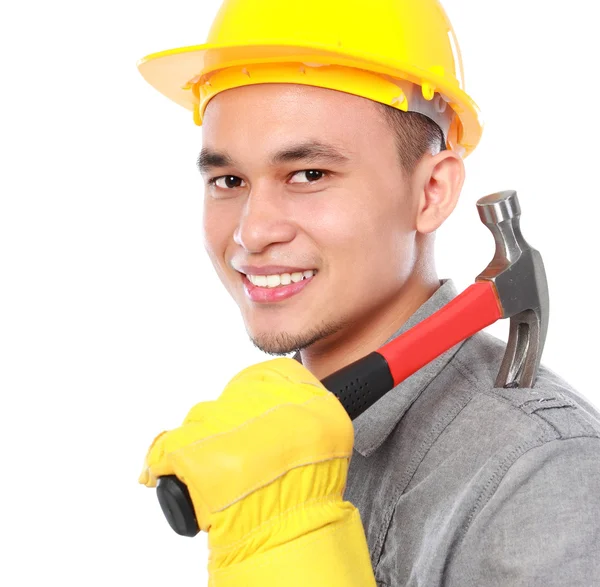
x=327 y=356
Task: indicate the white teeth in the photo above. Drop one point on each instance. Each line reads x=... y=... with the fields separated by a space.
x=273 y=280
x=282 y=279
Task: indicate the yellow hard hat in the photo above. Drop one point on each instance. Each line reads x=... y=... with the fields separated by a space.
x=402 y=53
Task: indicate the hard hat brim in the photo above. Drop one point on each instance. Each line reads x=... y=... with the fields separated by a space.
x=173 y=71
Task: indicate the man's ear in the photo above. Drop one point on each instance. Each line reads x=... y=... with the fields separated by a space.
x=439 y=181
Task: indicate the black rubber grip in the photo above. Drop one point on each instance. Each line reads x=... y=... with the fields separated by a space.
x=176 y=504
x=358 y=386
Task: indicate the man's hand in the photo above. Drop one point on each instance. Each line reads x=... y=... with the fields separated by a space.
x=266 y=466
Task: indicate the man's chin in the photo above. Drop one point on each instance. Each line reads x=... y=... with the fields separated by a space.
x=284 y=342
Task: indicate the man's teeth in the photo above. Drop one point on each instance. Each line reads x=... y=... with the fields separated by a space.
x=281 y=279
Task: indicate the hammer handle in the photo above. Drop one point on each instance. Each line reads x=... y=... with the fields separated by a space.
x=471 y=311
x=359 y=385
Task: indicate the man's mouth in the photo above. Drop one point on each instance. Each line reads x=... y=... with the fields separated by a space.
x=280 y=279
x=269 y=288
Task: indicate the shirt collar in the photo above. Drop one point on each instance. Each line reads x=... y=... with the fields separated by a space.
x=374 y=425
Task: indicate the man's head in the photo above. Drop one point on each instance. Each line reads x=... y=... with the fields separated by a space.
x=316 y=180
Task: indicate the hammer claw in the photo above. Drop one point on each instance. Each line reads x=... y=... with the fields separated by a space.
x=523 y=351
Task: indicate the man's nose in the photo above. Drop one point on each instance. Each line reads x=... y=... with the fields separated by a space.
x=264 y=222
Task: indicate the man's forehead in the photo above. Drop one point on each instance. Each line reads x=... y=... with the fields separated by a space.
x=286 y=122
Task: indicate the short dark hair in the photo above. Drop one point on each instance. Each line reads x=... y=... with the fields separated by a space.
x=416 y=134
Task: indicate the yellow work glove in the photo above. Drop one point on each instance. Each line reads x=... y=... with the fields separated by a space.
x=266 y=467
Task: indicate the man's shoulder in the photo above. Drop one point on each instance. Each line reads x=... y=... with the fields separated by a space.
x=552 y=399
x=470 y=464
x=532 y=498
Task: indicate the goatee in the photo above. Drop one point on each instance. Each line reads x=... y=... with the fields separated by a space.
x=284 y=343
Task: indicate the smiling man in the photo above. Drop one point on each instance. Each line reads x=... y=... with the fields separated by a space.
x=318 y=232
x=332 y=151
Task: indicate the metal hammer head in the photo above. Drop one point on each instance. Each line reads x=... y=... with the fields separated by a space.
x=518 y=273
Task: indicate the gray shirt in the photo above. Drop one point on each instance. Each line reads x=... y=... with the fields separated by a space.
x=461 y=484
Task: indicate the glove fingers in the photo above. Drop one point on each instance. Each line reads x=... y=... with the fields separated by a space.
x=282 y=370
x=254 y=391
x=272 y=383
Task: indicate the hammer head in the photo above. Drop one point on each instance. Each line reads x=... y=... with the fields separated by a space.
x=518 y=273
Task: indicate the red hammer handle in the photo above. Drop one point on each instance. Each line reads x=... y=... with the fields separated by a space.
x=471 y=311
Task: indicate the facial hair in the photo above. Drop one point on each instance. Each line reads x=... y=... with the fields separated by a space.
x=284 y=343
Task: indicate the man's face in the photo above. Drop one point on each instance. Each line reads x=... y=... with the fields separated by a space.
x=311 y=222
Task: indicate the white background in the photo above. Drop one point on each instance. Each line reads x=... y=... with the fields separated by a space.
x=112 y=324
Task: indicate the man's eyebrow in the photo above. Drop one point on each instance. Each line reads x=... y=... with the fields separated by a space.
x=310 y=151
x=209 y=159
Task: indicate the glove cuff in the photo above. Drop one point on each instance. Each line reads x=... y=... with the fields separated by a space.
x=301 y=501
x=334 y=555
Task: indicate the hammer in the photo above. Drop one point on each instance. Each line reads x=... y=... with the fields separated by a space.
x=512 y=286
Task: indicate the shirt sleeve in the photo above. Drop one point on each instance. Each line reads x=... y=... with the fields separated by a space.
x=541 y=527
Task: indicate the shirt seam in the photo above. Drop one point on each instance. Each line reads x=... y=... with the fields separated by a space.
x=464 y=370
x=533 y=416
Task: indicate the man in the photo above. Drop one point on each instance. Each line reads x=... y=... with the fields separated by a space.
x=333 y=145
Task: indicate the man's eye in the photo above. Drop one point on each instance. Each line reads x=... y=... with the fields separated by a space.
x=227 y=182
x=308 y=176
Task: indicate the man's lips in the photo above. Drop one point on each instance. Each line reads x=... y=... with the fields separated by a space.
x=278 y=293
